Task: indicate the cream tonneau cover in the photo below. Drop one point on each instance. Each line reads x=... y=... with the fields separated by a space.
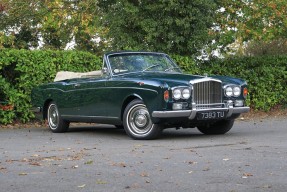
x=63 y=75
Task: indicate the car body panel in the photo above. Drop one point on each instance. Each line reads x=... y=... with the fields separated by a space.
x=103 y=98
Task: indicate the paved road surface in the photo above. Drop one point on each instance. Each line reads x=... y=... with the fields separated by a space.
x=251 y=157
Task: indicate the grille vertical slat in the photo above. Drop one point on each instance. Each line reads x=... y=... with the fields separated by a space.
x=207 y=93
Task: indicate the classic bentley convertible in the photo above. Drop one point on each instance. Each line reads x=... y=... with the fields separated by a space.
x=144 y=93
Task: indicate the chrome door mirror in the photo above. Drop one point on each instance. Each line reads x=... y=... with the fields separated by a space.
x=105 y=71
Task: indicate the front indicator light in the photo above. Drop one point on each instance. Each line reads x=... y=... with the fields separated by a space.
x=166 y=95
x=245 y=92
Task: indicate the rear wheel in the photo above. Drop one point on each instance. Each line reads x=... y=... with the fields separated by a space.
x=218 y=128
x=137 y=121
x=55 y=121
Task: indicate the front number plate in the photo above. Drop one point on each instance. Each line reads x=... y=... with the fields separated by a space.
x=211 y=115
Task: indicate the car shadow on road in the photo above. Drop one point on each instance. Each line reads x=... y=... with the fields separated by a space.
x=112 y=131
x=105 y=131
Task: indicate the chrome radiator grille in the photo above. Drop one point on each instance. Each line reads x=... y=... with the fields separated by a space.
x=207 y=94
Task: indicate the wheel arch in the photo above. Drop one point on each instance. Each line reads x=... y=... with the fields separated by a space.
x=127 y=101
x=45 y=108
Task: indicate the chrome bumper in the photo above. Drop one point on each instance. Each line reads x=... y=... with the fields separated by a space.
x=191 y=114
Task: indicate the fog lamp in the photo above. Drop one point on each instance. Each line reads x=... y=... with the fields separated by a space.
x=177 y=106
x=238 y=103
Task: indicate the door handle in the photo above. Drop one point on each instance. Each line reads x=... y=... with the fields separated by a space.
x=77 y=85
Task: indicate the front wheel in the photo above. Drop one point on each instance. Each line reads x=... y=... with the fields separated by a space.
x=218 y=128
x=137 y=121
x=55 y=121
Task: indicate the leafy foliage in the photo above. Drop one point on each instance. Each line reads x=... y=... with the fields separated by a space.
x=21 y=70
x=178 y=27
x=266 y=77
x=56 y=23
x=258 y=20
x=261 y=48
x=187 y=64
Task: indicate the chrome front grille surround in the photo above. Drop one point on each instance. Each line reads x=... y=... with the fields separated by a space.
x=207 y=93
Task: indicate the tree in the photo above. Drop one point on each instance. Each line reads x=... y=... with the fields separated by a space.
x=68 y=21
x=54 y=23
x=17 y=21
x=261 y=48
x=243 y=21
x=179 y=27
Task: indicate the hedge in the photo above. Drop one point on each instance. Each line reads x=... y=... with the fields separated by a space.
x=266 y=76
x=21 y=70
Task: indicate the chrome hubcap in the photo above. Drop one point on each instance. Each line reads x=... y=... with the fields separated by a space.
x=139 y=120
x=53 y=116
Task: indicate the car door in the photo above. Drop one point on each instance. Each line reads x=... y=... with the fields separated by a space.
x=85 y=98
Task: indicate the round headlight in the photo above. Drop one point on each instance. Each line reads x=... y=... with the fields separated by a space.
x=236 y=91
x=185 y=93
x=176 y=94
x=228 y=91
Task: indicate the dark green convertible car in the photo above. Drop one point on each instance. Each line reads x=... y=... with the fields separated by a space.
x=144 y=93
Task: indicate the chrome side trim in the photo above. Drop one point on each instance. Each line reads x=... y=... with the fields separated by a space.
x=36 y=109
x=93 y=117
x=98 y=88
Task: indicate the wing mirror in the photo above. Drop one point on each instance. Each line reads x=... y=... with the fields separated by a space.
x=105 y=71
